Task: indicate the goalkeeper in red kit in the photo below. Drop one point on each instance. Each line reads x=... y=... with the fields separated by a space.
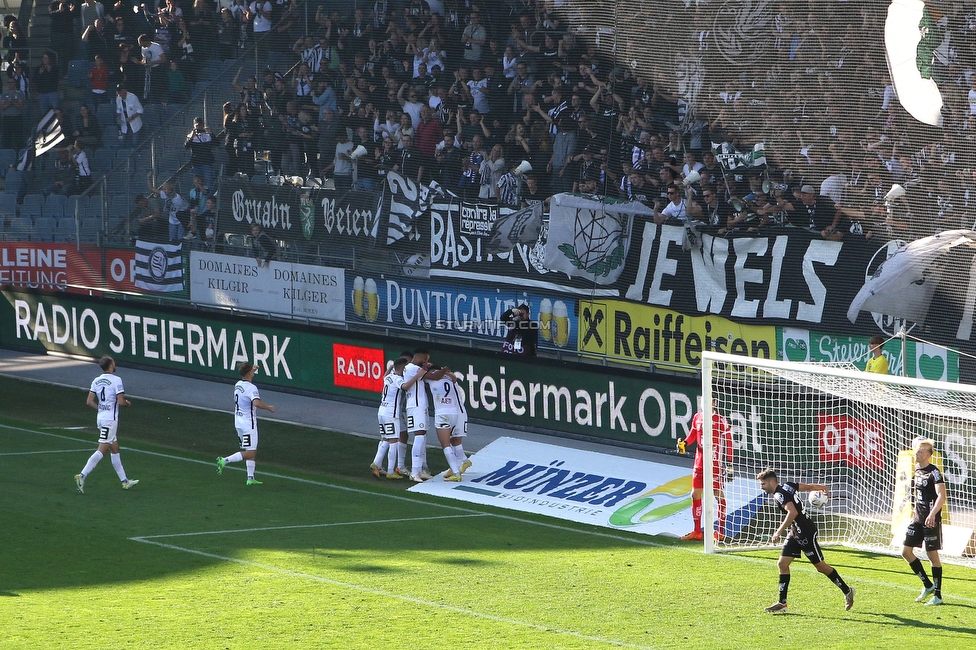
x=721 y=469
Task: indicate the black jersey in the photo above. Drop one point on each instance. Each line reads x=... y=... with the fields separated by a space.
x=802 y=526
x=924 y=493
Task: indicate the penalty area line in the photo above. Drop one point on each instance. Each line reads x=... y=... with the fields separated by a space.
x=142 y=538
x=386 y=594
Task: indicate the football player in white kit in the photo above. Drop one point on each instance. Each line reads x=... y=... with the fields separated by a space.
x=106 y=396
x=450 y=422
x=416 y=401
x=246 y=400
x=390 y=419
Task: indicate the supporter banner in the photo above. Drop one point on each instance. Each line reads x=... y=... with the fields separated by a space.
x=282 y=289
x=159 y=267
x=458 y=308
x=461 y=236
x=786 y=276
x=296 y=214
x=644 y=335
x=922 y=360
x=52 y=266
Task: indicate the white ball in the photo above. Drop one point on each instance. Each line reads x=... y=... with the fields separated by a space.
x=818 y=499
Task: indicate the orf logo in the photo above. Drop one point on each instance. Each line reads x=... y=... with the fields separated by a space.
x=358 y=367
x=158 y=262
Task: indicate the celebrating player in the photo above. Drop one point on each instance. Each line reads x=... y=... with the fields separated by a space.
x=416 y=400
x=246 y=399
x=929 y=495
x=389 y=413
x=106 y=396
x=802 y=537
x=450 y=422
x=721 y=468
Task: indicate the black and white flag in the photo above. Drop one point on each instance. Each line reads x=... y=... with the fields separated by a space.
x=159 y=267
x=407 y=202
x=46 y=136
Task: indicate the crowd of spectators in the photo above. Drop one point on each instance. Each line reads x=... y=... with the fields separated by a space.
x=465 y=93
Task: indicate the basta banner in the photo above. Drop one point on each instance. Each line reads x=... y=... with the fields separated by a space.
x=464 y=309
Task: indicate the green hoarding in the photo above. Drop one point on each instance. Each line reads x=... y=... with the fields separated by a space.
x=539 y=394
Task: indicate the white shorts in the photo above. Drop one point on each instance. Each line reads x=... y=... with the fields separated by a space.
x=390 y=427
x=107 y=431
x=416 y=419
x=248 y=438
x=456 y=422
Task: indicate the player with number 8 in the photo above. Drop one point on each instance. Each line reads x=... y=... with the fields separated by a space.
x=246 y=400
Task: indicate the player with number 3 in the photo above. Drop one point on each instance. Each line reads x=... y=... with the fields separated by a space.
x=246 y=400
x=106 y=396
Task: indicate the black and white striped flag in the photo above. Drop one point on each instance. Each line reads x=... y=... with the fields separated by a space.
x=46 y=136
x=159 y=267
x=407 y=202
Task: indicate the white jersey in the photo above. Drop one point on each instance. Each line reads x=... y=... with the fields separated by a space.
x=416 y=394
x=107 y=388
x=244 y=395
x=447 y=397
x=392 y=403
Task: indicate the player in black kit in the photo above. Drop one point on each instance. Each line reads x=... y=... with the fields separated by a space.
x=929 y=495
x=802 y=537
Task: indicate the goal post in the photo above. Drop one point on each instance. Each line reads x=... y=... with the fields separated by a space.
x=848 y=429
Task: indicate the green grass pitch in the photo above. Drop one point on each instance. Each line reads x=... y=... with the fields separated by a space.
x=324 y=556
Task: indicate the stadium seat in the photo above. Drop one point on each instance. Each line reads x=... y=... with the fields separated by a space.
x=8 y=157
x=32 y=211
x=34 y=200
x=79 y=200
x=78 y=71
x=8 y=205
x=90 y=231
x=54 y=205
x=106 y=117
x=44 y=228
x=65 y=230
x=15 y=182
x=20 y=229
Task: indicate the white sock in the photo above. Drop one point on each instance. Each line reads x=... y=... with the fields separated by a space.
x=92 y=462
x=452 y=460
x=423 y=455
x=459 y=452
x=381 y=450
x=391 y=459
x=417 y=455
x=234 y=458
x=401 y=455
x=250 y=468
x=117 y=464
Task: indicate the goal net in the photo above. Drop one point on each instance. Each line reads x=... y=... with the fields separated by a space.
x=847 y=429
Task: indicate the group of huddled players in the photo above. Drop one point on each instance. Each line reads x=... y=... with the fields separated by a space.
x=404 y=410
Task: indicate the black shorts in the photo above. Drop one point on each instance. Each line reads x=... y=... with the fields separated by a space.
x=797 y=545
x=918 y=533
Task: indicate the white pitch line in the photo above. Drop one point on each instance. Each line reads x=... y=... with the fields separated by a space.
x=387 y=594
x=303 y=526
x=51 y=451
x=593 y=533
